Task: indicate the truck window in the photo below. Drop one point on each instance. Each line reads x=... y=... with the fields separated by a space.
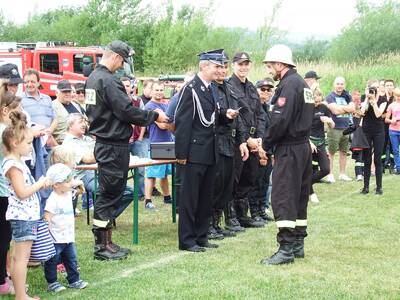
x=49 y=63
x=79 y=60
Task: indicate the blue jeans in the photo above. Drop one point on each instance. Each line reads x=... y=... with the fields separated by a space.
x=140 y=149
x=395 y=140
x=66 y=254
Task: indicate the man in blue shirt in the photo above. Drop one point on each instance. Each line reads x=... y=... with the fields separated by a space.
x=341 y=106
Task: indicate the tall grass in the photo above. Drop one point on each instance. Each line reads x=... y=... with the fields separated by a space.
x=356 y=74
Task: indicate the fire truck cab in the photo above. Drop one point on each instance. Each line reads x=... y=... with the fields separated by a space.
x=54 y=61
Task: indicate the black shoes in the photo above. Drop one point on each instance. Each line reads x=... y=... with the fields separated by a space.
x=364 y=191
x=209 y=245
x=378 y=191
x=233 y=225
x=195 y=248
x=283 y=256
x=213 y=234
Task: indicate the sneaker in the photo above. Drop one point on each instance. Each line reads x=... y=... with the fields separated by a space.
x=360 y=178
x=7 y=289
x=80 y=284
x=314 y=198
x=55 y=287
x=330 y=178
x=344 y=177
x=77 y=212
x=150 y=206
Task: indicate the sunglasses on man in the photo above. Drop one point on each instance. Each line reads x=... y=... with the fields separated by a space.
x=266 y=89
x=79 y=92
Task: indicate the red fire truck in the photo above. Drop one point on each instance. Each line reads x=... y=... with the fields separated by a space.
x=54 y=61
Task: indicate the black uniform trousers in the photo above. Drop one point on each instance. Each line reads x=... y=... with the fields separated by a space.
x=223 y=182
x=376 y=142
x=387 y=154
x=195 y=204
x=258 y=194
x=245 y=175
x=113 y=166
x=321 y=168
x=291 y=182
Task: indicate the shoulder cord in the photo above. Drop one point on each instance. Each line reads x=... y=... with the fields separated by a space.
x=197 y=104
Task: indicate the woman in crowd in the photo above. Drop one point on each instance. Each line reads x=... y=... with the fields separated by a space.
x=393 y=119
x=373 y=128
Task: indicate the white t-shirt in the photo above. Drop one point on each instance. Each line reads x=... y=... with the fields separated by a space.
x=21 y=209
x=62 y=224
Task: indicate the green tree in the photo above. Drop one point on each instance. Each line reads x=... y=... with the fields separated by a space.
x=374 y=32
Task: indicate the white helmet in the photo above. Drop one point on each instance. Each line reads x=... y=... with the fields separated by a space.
x=279 y=53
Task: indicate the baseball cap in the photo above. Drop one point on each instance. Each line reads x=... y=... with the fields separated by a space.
x=10 y=71
x=59 y=173
x=265 y=82
x=241 y=57
x=64 y=86
x=312 y=74
x=122 y=49
x=79 y=86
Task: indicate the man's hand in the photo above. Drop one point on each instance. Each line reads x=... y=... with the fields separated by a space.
x=231 y=113
x=262 y=154
x=313 y=147
x=244 y=151
x=263 y=162
x=162 y=117
x=254 y=144
x=181 y=161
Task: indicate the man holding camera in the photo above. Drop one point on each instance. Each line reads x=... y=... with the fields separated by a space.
x=341 y=106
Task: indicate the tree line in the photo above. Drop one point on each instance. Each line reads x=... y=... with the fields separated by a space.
x=167 y=39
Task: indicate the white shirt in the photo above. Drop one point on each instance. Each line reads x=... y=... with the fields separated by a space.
x=62 y=224
x=21 y=209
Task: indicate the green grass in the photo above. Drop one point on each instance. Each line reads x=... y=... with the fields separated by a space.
x=352 y=252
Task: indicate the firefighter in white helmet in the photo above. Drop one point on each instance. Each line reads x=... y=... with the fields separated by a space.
x=288 y=134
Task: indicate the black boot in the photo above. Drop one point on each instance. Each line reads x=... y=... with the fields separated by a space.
x=115 y=246
x=213 y=234
x=244 y=220
x=283 y=256
x=217 y=217
x=231 y=222
x=255 y=215
x=102 y=249
x=298 y=248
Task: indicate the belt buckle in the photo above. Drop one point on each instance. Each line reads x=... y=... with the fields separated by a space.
x=233 y=132
x=252 y=130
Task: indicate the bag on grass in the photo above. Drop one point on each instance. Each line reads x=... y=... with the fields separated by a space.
x=43 y=247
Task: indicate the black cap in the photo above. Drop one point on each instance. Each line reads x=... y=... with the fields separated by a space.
x=265 y=82
x=215 y=56
x=64 y=86
x=10 y=71
x=122 y=49
x=241 y=57
x=79 y=86
x=311 y=74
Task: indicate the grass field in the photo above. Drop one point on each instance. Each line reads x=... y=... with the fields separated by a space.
x=352 y=252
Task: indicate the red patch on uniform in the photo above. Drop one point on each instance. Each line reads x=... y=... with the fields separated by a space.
x=281 y=101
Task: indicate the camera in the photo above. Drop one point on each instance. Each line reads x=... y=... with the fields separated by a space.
x=372 y=90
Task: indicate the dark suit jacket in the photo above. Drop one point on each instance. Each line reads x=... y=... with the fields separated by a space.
x=193 y=141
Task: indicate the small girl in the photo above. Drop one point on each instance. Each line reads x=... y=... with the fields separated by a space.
x=60 y=215
x=23 y=210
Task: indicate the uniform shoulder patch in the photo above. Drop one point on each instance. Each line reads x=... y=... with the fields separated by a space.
x=90 y=97
x=308 y=96
x=281 y=101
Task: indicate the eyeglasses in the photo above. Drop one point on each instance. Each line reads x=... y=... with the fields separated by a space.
x=264 y=89
x=79 y=92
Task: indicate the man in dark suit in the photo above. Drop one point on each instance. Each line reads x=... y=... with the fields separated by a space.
x=196 y=119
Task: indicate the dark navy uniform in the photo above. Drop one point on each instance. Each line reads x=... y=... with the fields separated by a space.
x=195 y=141
x=253 y=118
x=229 y=135
x=289 y=131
